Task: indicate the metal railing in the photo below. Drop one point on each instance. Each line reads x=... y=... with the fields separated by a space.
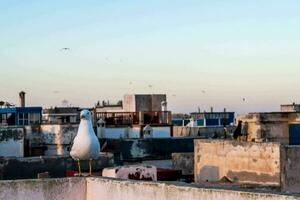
x=135 y=118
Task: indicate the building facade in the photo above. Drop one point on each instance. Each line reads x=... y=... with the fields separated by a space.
x=20 y=116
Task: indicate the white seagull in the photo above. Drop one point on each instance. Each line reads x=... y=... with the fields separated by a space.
x=86 y=144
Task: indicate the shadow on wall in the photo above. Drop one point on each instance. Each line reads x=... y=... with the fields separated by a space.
x=209 y=174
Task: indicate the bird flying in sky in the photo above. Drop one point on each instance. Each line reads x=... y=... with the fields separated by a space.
x=65 y=49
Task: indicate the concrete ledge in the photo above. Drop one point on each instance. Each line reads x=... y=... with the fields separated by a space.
x=114 y=189
x=44 y=189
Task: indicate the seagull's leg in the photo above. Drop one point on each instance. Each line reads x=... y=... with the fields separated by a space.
x=79 y=168
x=90 y=164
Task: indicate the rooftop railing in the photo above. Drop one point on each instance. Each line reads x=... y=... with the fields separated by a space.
x=135 y=118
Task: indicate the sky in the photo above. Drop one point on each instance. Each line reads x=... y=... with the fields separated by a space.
x=242 y=55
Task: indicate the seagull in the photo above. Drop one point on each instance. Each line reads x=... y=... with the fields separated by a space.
x=86 y=144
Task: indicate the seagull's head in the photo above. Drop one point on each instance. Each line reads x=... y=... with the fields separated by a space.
x=85 y=114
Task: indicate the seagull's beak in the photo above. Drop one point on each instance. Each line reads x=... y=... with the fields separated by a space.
x=82 y=116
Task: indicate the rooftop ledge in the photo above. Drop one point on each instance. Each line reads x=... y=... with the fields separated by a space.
x=113 y=189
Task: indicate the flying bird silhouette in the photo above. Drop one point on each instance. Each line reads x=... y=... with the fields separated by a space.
x=65 y=49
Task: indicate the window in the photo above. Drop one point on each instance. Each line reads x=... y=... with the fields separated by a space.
x=20 y=119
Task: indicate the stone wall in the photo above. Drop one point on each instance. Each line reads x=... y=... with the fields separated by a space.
x=12 y=142
x=241 y=162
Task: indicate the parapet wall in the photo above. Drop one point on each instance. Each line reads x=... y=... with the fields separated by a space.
x=44 y=189
x=242 y=162
x=290 y=168
x=113 y=189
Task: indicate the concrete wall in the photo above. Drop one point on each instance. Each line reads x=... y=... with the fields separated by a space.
x=183 y=162
x=113 y=189
x=12 y=142
x=290 y=108
x=47 y=189
x=143 y=102
x=290 y=163
x=242 y=162
x=28 y=168
x=272 y=127
x=110 y=189
x=156 y=101
x=58 y=138
x=129 y=103
x=154 y=148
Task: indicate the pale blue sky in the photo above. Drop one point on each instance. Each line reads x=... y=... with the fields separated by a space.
x=231 y=49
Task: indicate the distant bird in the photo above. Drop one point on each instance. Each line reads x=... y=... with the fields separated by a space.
x=150 y=86
x=244 y=99
x=203 y=91
x=65 y=49
x=86 y=145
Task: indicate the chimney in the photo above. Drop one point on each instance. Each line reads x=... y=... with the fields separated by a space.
x=22 y=98
x=164 y=106
x=211 y=109
x=224 y=110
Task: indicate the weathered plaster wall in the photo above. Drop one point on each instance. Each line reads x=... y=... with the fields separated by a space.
x=183 y=162
x=242 y=162
x=110 y=189
x=47 y=189
x=129 y=103
x=113 y=189
x=156 y=100
x=273 y=127
x=58 y=138
x=12 y=142
x=143 y=102
x=290 y=176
